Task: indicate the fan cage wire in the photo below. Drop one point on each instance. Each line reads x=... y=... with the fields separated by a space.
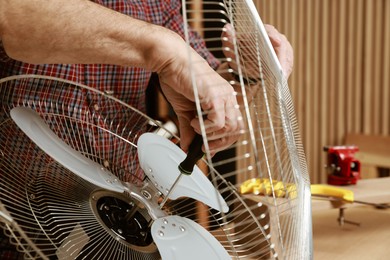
x=10 y=226
x=270 y=147
x=234 y=228
x=39 y=172
x=33 y=183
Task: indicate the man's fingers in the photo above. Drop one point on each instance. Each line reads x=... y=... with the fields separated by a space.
x=227 y=39
x=228 y=45
x=283 y=49
x=224 y=133
x=273 y=35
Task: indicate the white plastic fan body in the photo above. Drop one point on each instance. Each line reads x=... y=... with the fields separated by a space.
x=36 y=129
x=172 y=234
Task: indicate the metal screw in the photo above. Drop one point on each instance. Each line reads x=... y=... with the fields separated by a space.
x=106 y=163
x=146 y=194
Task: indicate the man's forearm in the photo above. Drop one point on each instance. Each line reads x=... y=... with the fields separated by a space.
x=78 y=31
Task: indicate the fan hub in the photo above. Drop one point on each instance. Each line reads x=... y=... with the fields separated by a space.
x=124 y=218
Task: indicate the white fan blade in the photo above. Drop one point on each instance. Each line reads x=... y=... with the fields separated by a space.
x=39 y=132
x=179 y=238
x=160 y=158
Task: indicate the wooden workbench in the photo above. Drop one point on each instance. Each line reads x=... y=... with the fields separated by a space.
x=370 y=240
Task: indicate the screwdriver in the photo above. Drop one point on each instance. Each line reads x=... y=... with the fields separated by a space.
x=186 y=167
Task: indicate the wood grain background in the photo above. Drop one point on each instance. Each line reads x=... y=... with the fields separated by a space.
x=341 y=78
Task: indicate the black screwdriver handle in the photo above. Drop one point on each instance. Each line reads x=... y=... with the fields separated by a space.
x=194 y=154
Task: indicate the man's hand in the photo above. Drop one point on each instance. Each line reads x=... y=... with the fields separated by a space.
x=249 y=59
x=283 y=49
x=222 y=117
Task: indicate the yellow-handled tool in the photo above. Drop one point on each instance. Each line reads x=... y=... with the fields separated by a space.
x=327 y=191
x=341 y=194
x=263 y=186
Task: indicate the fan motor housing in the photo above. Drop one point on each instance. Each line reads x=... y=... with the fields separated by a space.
x=124 y=218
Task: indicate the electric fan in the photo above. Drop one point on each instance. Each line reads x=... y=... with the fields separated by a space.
x=85 y=176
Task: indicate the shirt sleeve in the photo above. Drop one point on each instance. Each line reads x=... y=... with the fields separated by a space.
x=175 y=22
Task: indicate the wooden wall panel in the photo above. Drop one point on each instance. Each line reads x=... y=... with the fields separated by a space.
x=341 y=78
